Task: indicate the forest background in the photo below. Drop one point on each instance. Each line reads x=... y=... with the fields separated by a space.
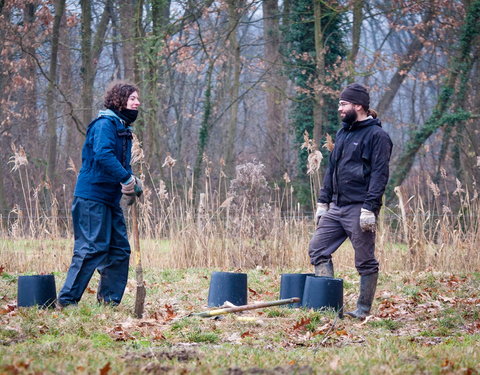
x=239 y=114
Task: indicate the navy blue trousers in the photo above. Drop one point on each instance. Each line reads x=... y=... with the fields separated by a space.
x=338 y=224
x=100 y=243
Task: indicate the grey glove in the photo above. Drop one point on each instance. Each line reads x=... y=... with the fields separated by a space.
x=131 y=193
x=322 y=209
x=128 y=187
x=367 y=220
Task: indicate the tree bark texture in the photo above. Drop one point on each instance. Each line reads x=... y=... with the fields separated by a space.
x=205 y=127
x=156 y=96
x=72 y=138
x=127 y=9
x=51 y=113
x=319 y=102
x=3 y=157
x=356 y=33
x=275 y=86
x=91 y=53
x=30 y=91
x=87 y=66
x=234 y=16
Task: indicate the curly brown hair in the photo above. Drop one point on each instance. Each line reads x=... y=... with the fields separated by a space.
x=117 y=95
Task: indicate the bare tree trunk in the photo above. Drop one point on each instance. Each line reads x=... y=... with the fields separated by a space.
x=154 y=81
x=234 y=62
x=52 y=122
x=156 y=97
x=30 y=132
x=3 y=200
x=205 y=126
x=71 y=139
x=470 y=131
x=275 y=85
x=319 y=102
x=138 y=35
x=91 y=53
x=117 y=71
x=99 y=38
x=356 y=32
x=86 y=69
x=3 y=156
x=127 y=31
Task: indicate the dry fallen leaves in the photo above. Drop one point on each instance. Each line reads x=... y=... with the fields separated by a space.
x=158 y=335
x=7 y=308
x=105 y=369
x=170 y=313
x=341 y=332
x=301 y=323
x=120 y=334
x=150 y=328
x=473 y=328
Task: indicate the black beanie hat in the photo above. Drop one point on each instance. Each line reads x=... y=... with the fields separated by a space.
x=356 y=94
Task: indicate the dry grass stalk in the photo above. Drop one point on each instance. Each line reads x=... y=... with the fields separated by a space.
x=246 y=225
x=329 y=145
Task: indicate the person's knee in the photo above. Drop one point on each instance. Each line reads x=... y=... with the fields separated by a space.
x=367 y=267
x=312 y=248
x=89 y=250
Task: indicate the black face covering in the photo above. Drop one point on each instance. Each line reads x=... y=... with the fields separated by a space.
x=127 y=115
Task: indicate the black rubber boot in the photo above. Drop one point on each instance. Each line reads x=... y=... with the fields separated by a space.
x=368 y=284
x=324 y=269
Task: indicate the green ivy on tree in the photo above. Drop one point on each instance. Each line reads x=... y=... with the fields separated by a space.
x=300 y=55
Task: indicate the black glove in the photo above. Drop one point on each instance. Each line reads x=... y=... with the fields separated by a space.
x=138 y=188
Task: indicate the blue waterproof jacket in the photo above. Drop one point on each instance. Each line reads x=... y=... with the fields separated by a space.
x=358 y=168
x=106 y=156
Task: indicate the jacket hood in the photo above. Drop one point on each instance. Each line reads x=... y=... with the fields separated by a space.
x=109 y=112
x=369 y=121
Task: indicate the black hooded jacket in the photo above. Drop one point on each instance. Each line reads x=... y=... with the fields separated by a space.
x=358 y=166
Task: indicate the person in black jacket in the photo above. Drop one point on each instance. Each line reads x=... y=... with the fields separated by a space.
x=351 y=196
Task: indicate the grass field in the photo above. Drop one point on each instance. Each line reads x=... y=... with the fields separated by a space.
x=425 y=319
x=426 y=323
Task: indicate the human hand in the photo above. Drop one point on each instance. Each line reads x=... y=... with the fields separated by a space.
x=129 y=186
x=367 y=220
x=130 y=194
x=322 y=209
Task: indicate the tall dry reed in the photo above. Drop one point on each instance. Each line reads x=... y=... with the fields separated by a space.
x=247 y=222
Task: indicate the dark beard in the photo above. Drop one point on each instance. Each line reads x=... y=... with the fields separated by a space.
x=350 y=117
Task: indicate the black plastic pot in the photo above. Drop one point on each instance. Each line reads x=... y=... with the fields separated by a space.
x=36 y=290
x=323 y=293
x=292 y=285
x=227 y=286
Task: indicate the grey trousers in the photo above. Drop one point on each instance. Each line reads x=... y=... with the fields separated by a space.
x=333 y=229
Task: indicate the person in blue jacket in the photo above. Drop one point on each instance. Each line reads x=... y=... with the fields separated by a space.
x=351 y=196
x=99 y=226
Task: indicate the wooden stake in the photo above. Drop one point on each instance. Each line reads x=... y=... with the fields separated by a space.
x=206 y=314
x=141 y=292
